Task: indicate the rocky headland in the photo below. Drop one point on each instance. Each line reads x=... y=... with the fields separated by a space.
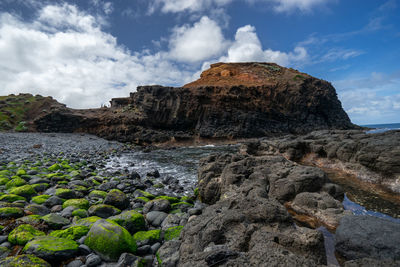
x=271 y=202
x=229 y=101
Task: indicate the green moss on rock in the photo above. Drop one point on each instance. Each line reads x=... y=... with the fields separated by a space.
x=23 y=234
x=89 y=221
x=110 y=240
x=147 y=237
x=80 y=213
x=55 y=221
x=11 y=212
x=172 y=233
x=98 y=194
x=20 y=172
x=131 y=220
x=54 y=167
x=4 y=180
x=171 y=200
x=40 y=199
x=17 y=181
x=30 y=219
x=65 y=193
x=73 y=232
x=25 y=191
x=11 y=198
x=24 y=260
x=143 y=193
x=53 y=249
x=79 y=203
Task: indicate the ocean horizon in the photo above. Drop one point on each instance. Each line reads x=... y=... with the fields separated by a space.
x=380 y=128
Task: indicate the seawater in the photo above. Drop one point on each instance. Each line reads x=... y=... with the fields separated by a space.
x=380 y=128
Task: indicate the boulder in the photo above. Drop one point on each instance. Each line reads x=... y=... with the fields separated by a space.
x=368 y=237
x=52 y=249
x=24 y=260
x=55 y=221
x=131 y=220
x=117 y=198
x=109 y=240
x=23 y=234
x=102 y=210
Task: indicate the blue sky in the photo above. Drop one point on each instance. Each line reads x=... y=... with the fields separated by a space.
x=83 y=53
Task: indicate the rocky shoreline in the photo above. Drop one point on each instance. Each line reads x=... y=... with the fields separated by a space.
x=60 y=205
x=256 y=207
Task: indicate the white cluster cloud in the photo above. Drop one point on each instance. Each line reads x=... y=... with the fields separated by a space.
x=175 y=6
x=247 y=47
x=199 y=42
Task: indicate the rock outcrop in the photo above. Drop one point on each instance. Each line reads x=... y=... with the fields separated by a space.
x=372 y=158
x=230 y=100
x=247 y=223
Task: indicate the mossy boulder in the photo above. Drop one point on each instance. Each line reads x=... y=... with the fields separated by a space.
x=172 y=233
x=11 y=212
x=73 y=232
x=171 y=200
x=142 y=193
x=25 y=191
x=89 y=221
x=11 y=198
x=80 y=213
x=4 y=180
x=147 y=237
x=109 y=240
x=131 y=220
x=103 y=210
x=52 y=249
x=97 y=194
x=40 y=187
x=117 y=198
x=15 y=182
x=40 y=199
x=65 y=193
x=142 y=199
x=55 y=221
x=79 y=203
x=30 y=219
x=20 y=172
x=24 y=260
x=54 y=167
x=23 y=234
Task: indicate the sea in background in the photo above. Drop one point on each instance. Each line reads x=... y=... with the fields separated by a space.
x=380 y=128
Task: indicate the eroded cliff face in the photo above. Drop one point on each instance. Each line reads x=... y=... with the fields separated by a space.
x=230 y=100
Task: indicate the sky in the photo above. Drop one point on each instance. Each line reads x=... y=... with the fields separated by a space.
x=85 y=52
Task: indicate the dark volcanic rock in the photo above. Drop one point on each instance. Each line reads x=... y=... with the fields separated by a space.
x=371 y=157
x=247 y=223
x=229 y=101
x=368 y=237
